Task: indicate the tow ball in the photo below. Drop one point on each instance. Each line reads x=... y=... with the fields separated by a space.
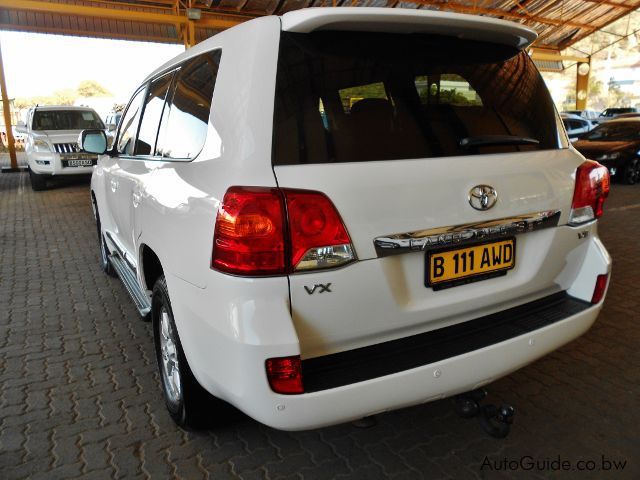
x=495 y=421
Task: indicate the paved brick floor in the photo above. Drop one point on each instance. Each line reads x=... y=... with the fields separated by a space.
x=79 y=393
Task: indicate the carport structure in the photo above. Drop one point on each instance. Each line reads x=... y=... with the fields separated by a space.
x=560 y=24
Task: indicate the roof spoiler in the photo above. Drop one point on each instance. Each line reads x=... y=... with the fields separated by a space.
x=399 y=20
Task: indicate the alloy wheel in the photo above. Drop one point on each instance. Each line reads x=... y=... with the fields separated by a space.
x=633 y=171
x=169 y=357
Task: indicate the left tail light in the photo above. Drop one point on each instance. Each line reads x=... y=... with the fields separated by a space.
x=270 y=231
x=249 y=232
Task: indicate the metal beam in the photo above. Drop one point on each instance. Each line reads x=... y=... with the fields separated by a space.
x=7 y=116
x=89 y=33
x=217 y=21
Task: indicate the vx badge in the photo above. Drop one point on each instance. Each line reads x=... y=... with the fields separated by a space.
x=326 y=287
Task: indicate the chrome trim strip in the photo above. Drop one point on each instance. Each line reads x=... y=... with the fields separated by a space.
x=398 y=243
x=122 y=253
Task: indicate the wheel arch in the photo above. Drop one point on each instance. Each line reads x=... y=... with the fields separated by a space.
x=151 y=266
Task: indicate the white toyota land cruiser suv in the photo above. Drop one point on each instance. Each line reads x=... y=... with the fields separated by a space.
x=339 y=212
x=51 y=146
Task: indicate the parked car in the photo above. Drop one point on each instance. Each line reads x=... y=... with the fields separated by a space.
x=590 y=115
x=51 y=142
x=575 y=125
x=433 y=233
x=18 y=137
x=627 y=115
x=614 y=112
x=616 y=145
x=112 y=120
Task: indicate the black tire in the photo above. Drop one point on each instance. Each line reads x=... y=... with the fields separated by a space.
x=190 y=405
x=631 y=174
x=38 y=182
x=105 y=264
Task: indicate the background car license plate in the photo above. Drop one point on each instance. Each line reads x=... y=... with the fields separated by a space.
x=447 y=268
x=80 y=163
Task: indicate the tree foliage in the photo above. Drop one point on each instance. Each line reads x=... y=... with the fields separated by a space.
x=91 y=88
x=67 y=96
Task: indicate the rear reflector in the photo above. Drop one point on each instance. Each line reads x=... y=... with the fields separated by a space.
x=285 y=375
x=601 y=286
x=591 y=190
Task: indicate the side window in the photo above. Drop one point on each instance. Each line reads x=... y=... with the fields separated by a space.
x=129 y=126
x=446 y=88
x=154 y=105
x=185 y=121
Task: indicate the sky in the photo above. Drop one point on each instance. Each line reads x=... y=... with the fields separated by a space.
x=39 y=64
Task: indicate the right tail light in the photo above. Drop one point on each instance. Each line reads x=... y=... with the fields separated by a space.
x=269 y=231
x=591 y=190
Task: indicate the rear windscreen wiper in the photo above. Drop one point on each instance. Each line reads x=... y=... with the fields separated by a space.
x=490 y=140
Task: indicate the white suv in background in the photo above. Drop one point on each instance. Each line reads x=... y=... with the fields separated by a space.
x=343 y=211
x=51 y=142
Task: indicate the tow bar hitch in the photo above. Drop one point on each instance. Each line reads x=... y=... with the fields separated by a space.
x=493 y=420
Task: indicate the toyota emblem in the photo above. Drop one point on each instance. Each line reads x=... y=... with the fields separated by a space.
x=483 y=197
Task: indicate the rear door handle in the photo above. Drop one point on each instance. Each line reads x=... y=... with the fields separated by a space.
x=114 y=185
x=136 y=198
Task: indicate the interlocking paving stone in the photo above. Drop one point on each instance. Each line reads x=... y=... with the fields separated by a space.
x=80 y=398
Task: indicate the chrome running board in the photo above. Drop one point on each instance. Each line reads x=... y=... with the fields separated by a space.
x=139 y=297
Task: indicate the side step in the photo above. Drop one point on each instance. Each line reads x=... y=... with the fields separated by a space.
x=140 y=298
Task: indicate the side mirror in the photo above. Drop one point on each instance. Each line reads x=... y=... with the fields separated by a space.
x=93 y=141
x=111 y=127
x=21 y=128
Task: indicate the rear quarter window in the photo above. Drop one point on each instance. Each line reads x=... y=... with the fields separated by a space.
x=185 y=120
x=355 y=96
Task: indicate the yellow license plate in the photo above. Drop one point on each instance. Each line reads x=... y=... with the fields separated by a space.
x=462 y=265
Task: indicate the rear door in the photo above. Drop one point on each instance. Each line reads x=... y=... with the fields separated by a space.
x=173 y=131
x=405 y=134
x=136 y=169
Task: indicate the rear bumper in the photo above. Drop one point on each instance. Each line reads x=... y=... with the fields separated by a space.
x=427 y=383
x=233 y=369
x=230 y=328
x=387 y=358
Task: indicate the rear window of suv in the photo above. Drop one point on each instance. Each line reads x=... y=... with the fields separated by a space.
x=357 y=96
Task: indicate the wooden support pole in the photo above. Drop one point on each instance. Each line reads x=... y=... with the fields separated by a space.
x=582 y=84
x=191 y=34
x=6 y=107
